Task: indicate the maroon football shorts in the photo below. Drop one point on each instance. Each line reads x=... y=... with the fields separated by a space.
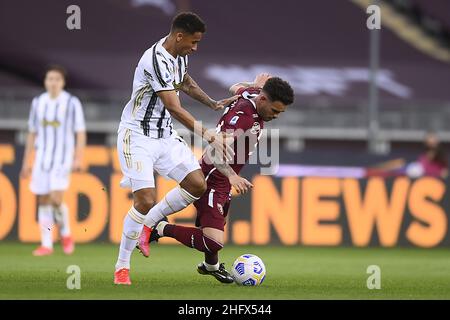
x=212 y=209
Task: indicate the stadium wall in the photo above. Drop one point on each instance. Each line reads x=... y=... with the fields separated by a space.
x=309 y=211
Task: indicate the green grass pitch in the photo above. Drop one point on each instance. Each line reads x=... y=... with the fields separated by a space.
x=170 y=273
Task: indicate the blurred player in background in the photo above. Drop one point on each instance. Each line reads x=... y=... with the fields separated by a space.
x=56 y=117
x=260 y=101
x=432 y=162
x=146 y=139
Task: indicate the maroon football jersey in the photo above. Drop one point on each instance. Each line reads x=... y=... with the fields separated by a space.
x=240 y=117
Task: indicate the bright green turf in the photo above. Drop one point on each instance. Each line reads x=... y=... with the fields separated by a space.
x=169 y=273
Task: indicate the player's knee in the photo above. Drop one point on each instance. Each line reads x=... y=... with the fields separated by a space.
x=56 y=202
x=143 y=205
x=56 y=198
x=144 y=200
x=198 y=187
x=44 y=200
x=211 y=244
x=194 y=183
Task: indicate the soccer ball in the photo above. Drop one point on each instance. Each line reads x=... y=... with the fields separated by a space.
x=248 y=270
x=414 y=170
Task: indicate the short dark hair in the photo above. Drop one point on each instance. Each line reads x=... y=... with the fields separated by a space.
x=188 y=22
x=279 y=90
x=57 y=68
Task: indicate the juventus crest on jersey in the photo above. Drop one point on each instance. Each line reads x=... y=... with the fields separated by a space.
x=55 y=121
x=156 y=71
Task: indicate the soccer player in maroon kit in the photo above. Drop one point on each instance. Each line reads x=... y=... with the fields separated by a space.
x=260 y=101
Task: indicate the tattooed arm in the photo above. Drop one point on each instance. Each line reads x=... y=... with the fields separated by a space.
x=192 y=89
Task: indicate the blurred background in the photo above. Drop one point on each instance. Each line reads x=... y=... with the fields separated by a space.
x=353 y=164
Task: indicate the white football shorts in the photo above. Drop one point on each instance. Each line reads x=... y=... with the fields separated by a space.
x=43 y=181
x=140 y=156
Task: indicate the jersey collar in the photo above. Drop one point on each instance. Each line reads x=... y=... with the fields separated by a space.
x=256 y=116
x=164 y=51
x=61 y=95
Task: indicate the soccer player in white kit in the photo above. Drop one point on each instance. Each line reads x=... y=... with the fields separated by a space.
x=146 y=139
x=56 y=117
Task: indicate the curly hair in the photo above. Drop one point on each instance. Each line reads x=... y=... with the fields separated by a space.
x=279 y=90
x=188 y=22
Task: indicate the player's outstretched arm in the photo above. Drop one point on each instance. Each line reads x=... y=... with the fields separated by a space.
x=172 y=103
x=259 y=82
x=192 y=89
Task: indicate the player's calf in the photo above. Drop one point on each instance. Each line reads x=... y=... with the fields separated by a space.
x=203 y=241
x=189 y=236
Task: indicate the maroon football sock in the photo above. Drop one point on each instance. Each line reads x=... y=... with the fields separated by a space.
x=192 y=237
x=211 y=257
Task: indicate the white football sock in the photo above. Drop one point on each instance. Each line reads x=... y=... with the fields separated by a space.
x=46 y=222
x=174 y=201
x=62 y=218
x=132 y=227
x=211 y=267
x=160 y=228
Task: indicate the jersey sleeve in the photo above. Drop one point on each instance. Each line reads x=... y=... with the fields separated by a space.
x=33 y=120
x=157 y=73
x=79 y=123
